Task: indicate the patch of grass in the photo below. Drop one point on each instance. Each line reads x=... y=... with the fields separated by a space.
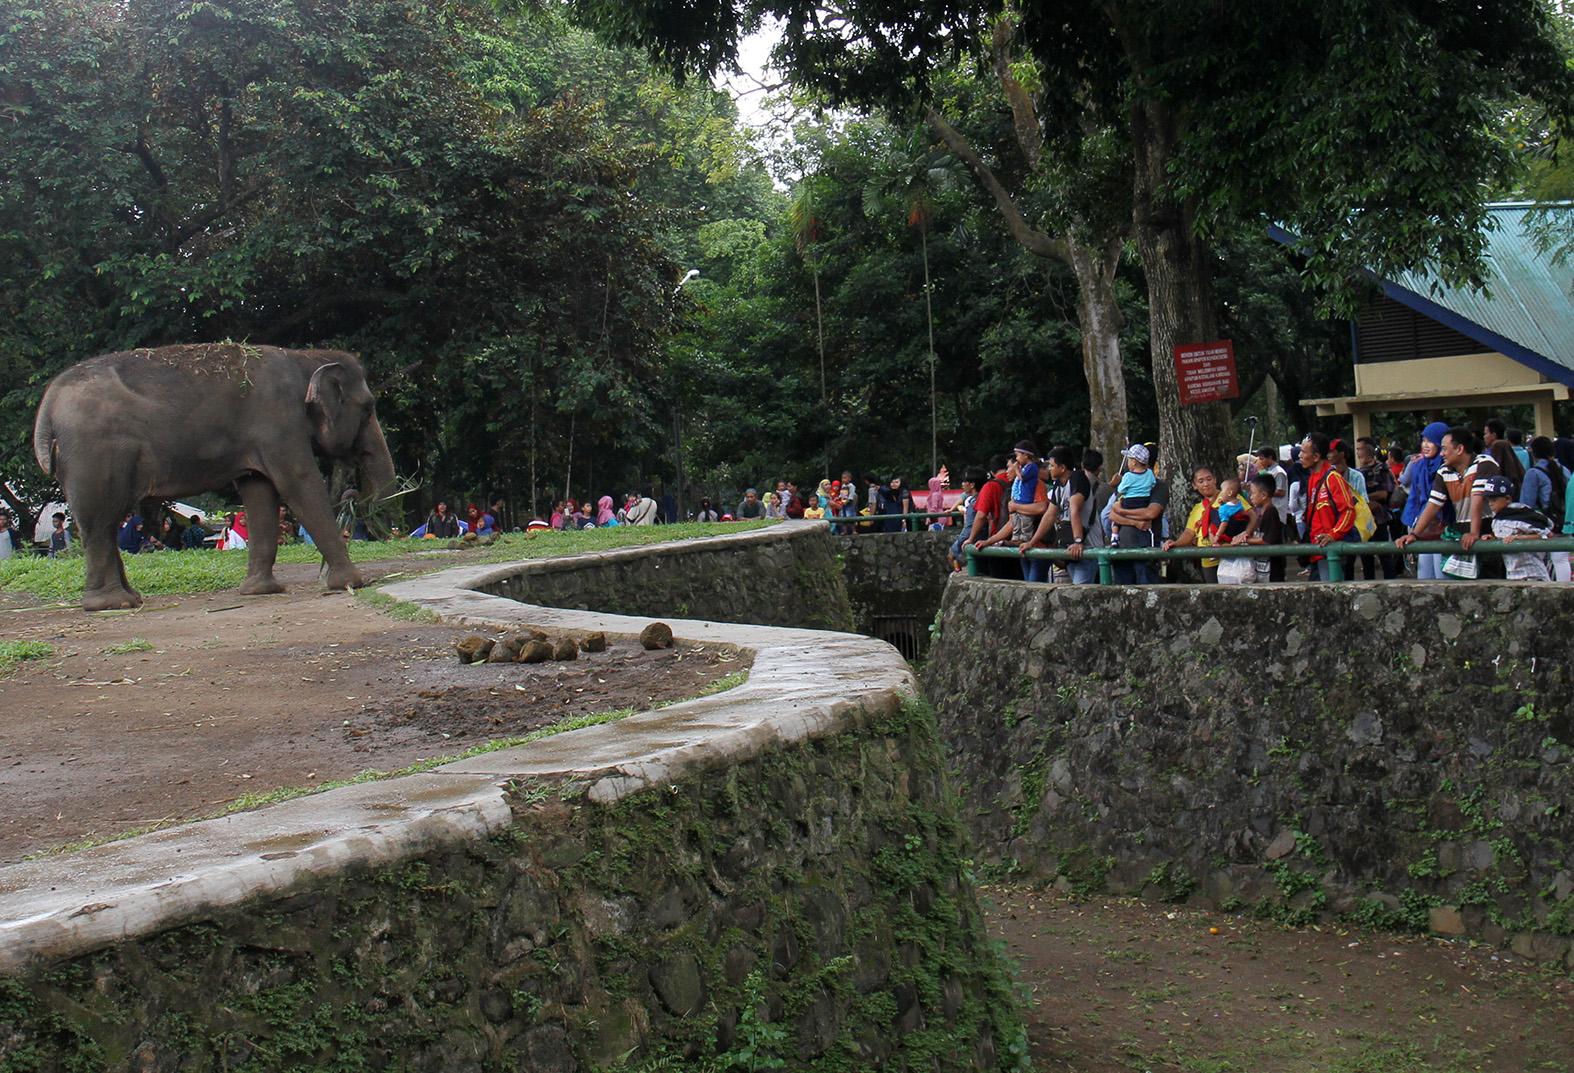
x=1384 y=1058
x=721 y=685
x=136 y=644
x=396 y=608
x=167 y=572
x=14 y=652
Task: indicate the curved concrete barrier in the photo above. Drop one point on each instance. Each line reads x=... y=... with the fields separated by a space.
x=803 y=683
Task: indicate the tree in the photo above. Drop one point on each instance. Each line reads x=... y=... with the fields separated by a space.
x=1087 y=217
x=1365 y=126
x=1004 y=352
x=280 y=172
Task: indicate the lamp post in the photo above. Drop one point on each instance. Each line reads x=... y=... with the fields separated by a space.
x=677 y=415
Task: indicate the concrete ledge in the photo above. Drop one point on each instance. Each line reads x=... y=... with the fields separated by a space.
x=804 y=683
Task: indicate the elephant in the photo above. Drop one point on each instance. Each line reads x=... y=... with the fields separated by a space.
x=174 y=421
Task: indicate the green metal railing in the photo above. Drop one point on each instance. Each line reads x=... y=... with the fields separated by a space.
x=919 y=516
x=1336 y=552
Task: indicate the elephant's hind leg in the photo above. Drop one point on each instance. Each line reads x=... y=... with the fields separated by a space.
x=262 y=537
x=104 y=583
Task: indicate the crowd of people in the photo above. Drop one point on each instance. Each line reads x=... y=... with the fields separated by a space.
x=1457 y=485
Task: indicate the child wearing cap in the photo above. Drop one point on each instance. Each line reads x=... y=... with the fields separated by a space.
x=1515 y=521
x=1136 y=484
x=1024 y=491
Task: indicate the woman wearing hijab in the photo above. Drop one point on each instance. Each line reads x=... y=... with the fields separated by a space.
x=823 y=494
x=235 y=534
x=936 y=500
x=605 y=515
x=1418 y=484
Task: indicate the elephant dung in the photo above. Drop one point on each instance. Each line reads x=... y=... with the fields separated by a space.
x=594 y=642
x=656 y=635
x=539 y=635
x=535 y=652
x=565 y=649
x=505 y=651
x=473 y=649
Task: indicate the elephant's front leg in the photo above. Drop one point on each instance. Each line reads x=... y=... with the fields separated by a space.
x=308 y=498
x=262 y=536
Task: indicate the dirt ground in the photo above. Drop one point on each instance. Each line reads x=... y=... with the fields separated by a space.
x=1121 y=985
x=178 y=709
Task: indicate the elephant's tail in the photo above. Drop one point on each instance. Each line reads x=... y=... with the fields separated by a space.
x=45 y=448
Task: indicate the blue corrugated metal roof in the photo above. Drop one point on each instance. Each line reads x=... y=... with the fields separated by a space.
x=1527 y=309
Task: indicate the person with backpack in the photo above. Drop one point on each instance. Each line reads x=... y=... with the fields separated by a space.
x=1545 y=489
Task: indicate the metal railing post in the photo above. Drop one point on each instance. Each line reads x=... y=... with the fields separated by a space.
x=1335 y=563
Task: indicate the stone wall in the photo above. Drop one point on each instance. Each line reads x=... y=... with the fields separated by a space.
x=830 y=930
x=768 y=877
x=783 y=575
x=1395 y=752
x=894 y=584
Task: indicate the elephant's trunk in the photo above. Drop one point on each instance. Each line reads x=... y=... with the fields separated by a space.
x=374 y=463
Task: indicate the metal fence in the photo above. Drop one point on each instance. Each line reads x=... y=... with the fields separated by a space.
x=1336 y=552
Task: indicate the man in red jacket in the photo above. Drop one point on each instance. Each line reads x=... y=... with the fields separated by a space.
x=1330 y=505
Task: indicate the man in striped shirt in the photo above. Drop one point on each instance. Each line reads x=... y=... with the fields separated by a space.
x=1462 y=482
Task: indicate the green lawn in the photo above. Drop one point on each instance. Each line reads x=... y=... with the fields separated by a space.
x=168 y=572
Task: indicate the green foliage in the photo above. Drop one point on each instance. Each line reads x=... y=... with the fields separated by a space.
x=1410 y=916
x=424 y=184
x=1368 y=128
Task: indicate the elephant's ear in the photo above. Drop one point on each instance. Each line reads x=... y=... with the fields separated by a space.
x=333 y=419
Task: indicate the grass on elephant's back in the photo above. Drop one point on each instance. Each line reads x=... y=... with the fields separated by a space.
x=169 y=572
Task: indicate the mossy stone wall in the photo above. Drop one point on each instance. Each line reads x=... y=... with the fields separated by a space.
x=1395 y=752
x=895 y=582
x=765 y=579
x=806 y=908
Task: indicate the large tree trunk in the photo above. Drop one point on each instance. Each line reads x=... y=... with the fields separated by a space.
x=1100 y=320
x=1180 y=301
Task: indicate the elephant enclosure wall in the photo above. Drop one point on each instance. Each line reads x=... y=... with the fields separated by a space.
x=1399 y=753
x=774 y=873
x=832 y=926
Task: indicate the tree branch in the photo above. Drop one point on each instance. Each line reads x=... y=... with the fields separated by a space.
x=198 y=223
x=1027 y=236
x=1024 y=116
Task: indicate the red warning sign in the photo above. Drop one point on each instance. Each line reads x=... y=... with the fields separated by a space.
x=1206 y=371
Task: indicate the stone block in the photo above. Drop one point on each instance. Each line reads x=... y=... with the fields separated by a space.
x=1540 y=947
x=678 y=984
x=818 y=1025
x=1445 y=920
x=1282 y=846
